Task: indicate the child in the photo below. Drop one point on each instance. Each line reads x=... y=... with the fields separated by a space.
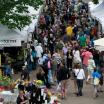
x=96 y=79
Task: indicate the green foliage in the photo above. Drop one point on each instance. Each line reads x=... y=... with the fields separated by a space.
x=5 y=81
x=96 y=1
x=14 y=13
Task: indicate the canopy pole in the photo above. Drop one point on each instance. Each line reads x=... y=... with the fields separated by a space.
x=0 y=65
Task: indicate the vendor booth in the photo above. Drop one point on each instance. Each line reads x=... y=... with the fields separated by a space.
x=14 y=42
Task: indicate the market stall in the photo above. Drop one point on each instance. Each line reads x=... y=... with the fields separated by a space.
x=41 y=93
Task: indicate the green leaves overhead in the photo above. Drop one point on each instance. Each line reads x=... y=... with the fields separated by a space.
x=14 y=13
x=96 y=1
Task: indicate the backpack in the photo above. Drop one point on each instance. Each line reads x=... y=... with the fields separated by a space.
x=45 y=63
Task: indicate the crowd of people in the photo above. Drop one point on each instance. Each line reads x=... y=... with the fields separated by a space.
x=63 y=48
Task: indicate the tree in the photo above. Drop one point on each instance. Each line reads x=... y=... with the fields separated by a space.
x=96 y=1
x=14 y=13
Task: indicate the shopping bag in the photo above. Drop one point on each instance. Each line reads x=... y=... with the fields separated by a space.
x=96 y=81
x=59 y=87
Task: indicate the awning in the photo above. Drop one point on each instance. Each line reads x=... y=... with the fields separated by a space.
x=99 y=44
x=10 y=37
x=100 y=48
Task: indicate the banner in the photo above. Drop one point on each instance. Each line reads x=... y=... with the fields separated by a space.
x=10 y=43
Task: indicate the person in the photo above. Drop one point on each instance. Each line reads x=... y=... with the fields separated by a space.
x=69 y=31
x=96 y=79
x=41 y=75
x=21 y=86
x=91 y=67
x=49 y=66
x=101 y=71
x=39 y=50
x=76 y=56
x=69 y=58
x=8 y=70
x=21 y=99
x=82 y=40
x=74 y=77
x=24 y=73
x=63 y=76
x=65 y=50
x=33 y=55
x=85 y=56
x=80 y=76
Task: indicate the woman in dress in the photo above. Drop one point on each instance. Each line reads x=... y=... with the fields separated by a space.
x=63 y=75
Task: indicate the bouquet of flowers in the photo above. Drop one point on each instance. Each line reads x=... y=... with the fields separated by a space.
x=5 y=82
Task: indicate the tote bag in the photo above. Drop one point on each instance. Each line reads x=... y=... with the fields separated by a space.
x=96 y=81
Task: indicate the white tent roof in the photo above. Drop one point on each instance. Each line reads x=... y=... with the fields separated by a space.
x=99 y=42
x=92 y=6
x=6 y=33
x=97 y=11
x=35 y=14
x=15 y=34
x=10 y=37
x=98 y=6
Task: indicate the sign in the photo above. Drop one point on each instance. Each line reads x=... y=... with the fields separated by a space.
x=10 y=43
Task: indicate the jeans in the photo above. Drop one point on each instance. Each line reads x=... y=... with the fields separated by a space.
x=80 y=86
x=50 y=79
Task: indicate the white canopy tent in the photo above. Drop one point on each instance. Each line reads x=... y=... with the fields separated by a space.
x=35 y=14
x=13 y=37
x=99 y=44
x=10 y=37
x=92 y=6
x=97 y=11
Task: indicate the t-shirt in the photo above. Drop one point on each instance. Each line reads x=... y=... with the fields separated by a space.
x=39 y=51
x=82 y=41
x=79 y=73
x=69 y=31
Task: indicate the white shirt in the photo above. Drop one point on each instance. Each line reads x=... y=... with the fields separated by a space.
x=40 y=61
x=79 y=73
x=76 y=55
x=39 y=51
